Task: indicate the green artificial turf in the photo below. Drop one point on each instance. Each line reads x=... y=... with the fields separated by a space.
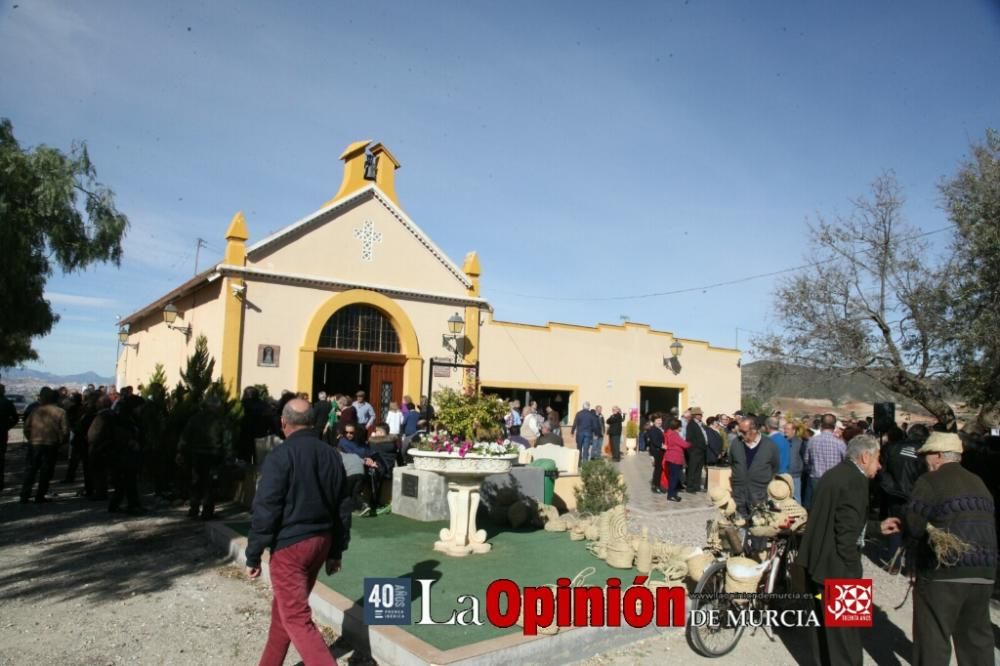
x=392 y=546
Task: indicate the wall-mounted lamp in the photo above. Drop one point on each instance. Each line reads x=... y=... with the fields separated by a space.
x=455 y=326
x=170 y=316
x=123 y=339
x=673 y=362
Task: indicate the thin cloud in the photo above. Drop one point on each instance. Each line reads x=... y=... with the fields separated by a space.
x=60 y=298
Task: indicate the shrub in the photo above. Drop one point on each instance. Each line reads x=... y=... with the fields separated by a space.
x=602 y=487
x=631 y=430
x=477 y=417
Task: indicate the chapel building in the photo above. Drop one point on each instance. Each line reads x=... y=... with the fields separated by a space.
x=356 y=295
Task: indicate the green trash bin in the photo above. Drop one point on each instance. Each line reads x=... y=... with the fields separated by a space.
x=551 y=472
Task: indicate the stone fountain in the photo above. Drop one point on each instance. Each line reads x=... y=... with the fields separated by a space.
x=465 y=475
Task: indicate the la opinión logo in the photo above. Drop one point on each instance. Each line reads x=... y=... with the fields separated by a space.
x=847 y=602
x=561 y=605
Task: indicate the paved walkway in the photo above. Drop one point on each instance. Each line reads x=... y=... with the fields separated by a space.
x=676 y=522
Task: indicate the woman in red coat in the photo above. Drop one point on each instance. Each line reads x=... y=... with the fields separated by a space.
x=673 y=459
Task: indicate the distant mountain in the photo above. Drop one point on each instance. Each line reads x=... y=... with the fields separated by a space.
x=29 y=375
x=768 y=380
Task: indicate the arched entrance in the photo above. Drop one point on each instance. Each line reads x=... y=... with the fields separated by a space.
x=361 y=339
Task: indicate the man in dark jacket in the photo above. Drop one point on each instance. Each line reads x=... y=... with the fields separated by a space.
x=321 y=412
x=755 y=461
x=125 y=456
x=716 y=447
x=8 y=419
x=697 y=452
x=300 y=514
x=900 y=470
x=654 y=442
x=834 y=540
x=951 y=601
x=614 y=423
x=585 y=426
x=254 y=424
x=206 y=445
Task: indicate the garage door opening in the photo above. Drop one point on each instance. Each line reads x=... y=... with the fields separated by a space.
x=658 y=399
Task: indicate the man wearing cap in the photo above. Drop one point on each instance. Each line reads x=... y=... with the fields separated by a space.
x=364 y=411
x=952 y=594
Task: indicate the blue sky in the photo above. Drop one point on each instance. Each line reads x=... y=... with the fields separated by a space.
x=584 y=149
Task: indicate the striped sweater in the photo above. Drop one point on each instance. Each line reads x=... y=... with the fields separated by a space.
x=956 y=500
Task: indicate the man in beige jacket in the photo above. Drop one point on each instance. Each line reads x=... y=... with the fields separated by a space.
x=45 y=431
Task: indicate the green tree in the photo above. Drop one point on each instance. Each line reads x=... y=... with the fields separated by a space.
x=158 y=378
x=751 y=404
x=197 y=376
x=53 y=211
x=972 y=199
x=601 y=487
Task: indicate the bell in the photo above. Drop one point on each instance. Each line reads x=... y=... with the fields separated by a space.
x=369 y=167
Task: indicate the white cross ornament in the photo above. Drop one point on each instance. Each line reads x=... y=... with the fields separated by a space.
x=368 y=237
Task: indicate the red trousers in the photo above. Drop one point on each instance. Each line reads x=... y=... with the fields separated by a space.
x=293 y=574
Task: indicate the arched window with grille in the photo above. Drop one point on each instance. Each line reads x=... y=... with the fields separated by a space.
x=360 y=328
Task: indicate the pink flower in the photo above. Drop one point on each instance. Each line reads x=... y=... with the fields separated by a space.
x=449 y=448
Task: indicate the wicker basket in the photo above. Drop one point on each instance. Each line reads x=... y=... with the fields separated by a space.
x=556 y=525
x=764 y=530
x=697 y=563
x=620 y=556
x=742 y=574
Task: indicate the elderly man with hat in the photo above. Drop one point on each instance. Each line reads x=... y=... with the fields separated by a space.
x=697 y=452
x=951 y=517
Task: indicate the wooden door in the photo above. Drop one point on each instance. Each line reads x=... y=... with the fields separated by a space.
x=386 y=386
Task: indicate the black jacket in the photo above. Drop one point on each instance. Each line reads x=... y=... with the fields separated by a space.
x=901 y=469
x=8 y=416
x=302 y=493
x=615 y=424
x=714 y=446
x=654 y=440
x=837 y=519
x=321 y=412
x=695 y=435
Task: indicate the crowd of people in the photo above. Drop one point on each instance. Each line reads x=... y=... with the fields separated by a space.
x=933 y=493
x=917 y=480
x=186 y=446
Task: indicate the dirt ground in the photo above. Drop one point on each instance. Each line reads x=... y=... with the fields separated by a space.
x=80 y=586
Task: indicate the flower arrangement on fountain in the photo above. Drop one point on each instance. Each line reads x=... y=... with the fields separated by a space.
x=442 y=442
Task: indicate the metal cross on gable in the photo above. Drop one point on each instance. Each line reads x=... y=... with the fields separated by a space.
x=368 y=237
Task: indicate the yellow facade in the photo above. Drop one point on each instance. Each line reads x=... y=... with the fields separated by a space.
x=362 y=249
